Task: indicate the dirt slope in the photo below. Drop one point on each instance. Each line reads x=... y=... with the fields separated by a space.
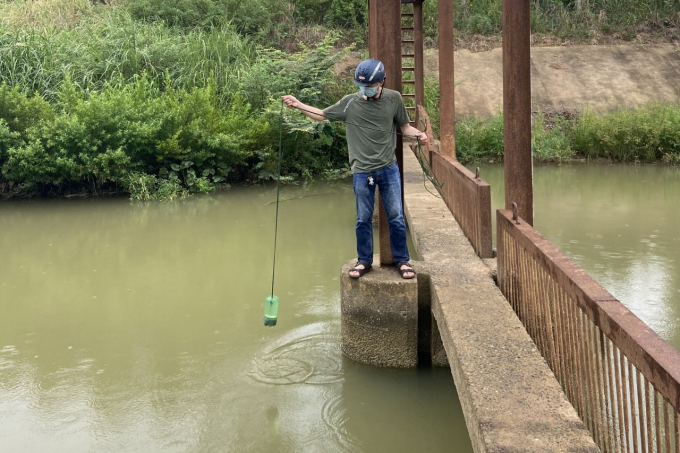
x=567 y=77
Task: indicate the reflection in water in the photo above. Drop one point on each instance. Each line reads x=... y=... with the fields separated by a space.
x=619 y=223
x=138 y=327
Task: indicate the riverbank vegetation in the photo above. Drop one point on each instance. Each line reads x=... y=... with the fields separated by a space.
x=161 y=98
x=645 y=135
x=95 y=100
x=478 y=23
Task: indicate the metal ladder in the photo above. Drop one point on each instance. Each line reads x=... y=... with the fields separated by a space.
x=408 y=64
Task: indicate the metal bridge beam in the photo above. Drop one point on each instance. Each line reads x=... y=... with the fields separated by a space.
x=384 y=43
x=517 y=107
x=447 y=110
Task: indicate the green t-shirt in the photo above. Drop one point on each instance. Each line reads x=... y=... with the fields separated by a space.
x=370 y=149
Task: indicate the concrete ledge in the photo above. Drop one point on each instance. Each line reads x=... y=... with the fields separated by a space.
x=379 y=317
x=510 y=398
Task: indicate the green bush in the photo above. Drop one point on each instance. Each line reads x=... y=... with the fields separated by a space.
x=335 y=13
x=96 y=138
x=311 y=147
x=480 y=24
x=8 y=139
x=145 y=187
x=19 y=111
x=550 y=142
x=193 y=107
x=478 y=138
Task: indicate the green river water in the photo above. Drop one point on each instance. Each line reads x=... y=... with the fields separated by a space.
x=138 y=328
x=131 y=327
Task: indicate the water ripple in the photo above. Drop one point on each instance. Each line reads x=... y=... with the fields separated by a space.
x=334 y=417
x=309 y=354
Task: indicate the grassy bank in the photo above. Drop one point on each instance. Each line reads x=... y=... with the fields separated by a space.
x=648 y=134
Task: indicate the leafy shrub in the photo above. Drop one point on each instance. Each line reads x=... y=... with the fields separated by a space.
x=19 y=111
x=310 y=147
x=550 y=142
x=347 y=13
x=649 y=134
x=8 y=139
x=478 y=138
x=145 y=187
x=480 y=24
x=335 y=13
x=96 y=138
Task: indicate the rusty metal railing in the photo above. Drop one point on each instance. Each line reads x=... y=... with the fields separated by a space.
x=622 y=378
x=467 y=196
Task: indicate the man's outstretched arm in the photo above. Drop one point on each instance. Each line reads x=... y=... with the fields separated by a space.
x=307 y=110
x=407 y=129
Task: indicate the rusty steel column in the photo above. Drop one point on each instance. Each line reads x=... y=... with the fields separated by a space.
x=384 y=38
x=419 y=75
x=372 y=27
x=447 y=109
x=517 y=107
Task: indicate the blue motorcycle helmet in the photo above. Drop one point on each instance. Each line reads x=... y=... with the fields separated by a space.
x=369 y=72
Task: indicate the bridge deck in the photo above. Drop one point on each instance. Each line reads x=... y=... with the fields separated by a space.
x=510 y=398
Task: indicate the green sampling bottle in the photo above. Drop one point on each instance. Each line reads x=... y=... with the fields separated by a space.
x=271 y=310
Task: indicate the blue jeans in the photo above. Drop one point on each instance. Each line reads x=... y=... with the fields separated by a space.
x=389 y=183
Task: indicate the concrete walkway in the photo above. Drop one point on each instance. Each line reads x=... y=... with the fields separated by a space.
x=510 y=398
x=569 y=77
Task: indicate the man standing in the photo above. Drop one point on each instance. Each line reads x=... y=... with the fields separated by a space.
x=372 y=116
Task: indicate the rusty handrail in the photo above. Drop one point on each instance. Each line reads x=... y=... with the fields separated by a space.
x=467 y=196
x=622 y=378
x=432 y=145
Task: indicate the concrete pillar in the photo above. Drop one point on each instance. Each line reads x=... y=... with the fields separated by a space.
x=379 y=318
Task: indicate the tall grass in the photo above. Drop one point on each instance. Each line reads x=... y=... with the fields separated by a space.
x=40 y=14
x=648 y=134
x=93 y=52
